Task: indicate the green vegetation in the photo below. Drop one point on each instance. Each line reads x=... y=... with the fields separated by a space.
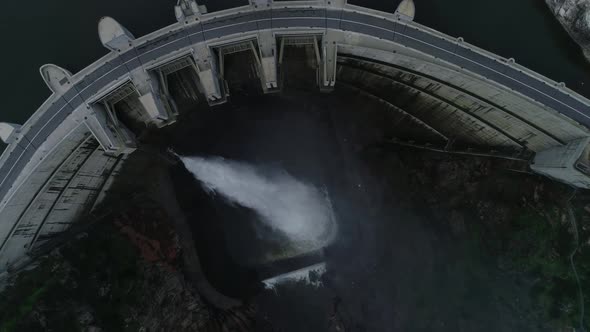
x=95 y=275
x=538 y=245
x=15 y=314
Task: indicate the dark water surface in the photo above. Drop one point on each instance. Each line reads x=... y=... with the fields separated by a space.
x=64 y=32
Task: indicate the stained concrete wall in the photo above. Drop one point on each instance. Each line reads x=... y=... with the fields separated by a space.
x=529 y=122
x=60 y=189
x=440 y=113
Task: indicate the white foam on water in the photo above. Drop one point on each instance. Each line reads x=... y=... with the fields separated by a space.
x=297 y=209
x=298 y=276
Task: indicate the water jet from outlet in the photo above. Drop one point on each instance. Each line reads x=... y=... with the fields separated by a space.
x=299 y=210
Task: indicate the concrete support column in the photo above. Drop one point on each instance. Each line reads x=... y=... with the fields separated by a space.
x=158 y=108
x=329 y=62
x=268 y=59
x=207 y=70
x=112 y=135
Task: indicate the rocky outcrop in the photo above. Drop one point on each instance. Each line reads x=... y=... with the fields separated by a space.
x=574 y=16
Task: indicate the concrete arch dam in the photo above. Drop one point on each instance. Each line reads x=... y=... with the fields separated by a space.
x=61 y=162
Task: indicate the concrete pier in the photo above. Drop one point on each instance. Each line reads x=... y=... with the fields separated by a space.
x=406 y=9
x=8 y=132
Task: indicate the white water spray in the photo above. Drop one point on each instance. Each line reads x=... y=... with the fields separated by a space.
x=301 y=275
x=297 y=209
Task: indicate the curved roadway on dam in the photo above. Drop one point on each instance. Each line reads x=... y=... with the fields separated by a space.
x=357 y=20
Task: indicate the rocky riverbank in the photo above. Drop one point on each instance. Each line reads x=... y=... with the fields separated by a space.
x=574 y=16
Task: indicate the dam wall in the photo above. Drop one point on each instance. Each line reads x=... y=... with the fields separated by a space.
x=59 y=162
